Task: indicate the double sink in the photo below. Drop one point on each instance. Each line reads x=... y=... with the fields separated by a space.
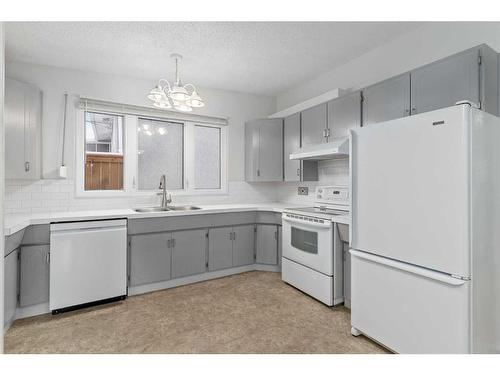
x=168 y=208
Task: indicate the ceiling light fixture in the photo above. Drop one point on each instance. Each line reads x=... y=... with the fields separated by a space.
x=181 y=97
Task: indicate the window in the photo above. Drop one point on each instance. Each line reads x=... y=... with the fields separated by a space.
x=160 y=152
x=103 y=151
x=207 y=159
x=126 y=154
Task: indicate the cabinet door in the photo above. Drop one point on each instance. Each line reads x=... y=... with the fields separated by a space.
x=189 y=252
x=291 y=144
x=270 y=150
x=220 y=248
x=14 y=129
x=10 y=286
x=314 y=125
x=34 y=280
x=251 y=150
x=344 y=113
x=267 y=244
x=387 y=100
x=243 y=245
x=445 y=82
x=32 y=126
x=150 y=258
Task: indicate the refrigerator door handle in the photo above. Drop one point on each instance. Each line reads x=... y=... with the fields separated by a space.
x=430 y=274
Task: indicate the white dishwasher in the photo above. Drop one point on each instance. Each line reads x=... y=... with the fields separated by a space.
x=88 y=263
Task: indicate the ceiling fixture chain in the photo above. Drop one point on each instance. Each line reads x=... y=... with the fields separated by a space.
x=178 y=96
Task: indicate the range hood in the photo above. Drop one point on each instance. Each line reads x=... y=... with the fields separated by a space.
x=337 y=148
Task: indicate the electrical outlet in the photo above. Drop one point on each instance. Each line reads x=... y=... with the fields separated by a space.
x=303 y=190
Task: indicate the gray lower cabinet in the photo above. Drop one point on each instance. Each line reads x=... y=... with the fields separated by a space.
x=314 y=124
x=243 y=245
x=264 y=150
x=189 y=252
x=445 y=82
x=34 y=275
x=387 y=100
x=10 y=285
x=267 y=244
x=296 y=170
x=220 y=248
x=344 y=113
x=150 y=258
x=231 y=247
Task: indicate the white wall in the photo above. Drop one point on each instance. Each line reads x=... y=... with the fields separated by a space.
x=52 y=195
x=423 y=45
x=1 y=182
x=238 y=107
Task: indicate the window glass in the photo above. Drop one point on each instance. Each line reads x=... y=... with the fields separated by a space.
x=207 y=161
x=160 y=151
x=103 y=151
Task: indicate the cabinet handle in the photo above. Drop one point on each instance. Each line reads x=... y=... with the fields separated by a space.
x=276 y=235
x=168 y=244
x=27 y=166
x=258 y=172
x=298 y=172
x=173 y=242
x=234 y=236
x=407 y=111
x=414 y=110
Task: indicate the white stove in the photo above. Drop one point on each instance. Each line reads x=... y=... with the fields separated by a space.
x=313 y=245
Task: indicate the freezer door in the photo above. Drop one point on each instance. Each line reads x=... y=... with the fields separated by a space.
x=410 y=310
x=410 y=189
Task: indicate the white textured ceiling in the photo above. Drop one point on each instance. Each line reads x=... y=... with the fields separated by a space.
x=256 y=57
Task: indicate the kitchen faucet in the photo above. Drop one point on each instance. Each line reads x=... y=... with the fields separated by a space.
x=164 y=199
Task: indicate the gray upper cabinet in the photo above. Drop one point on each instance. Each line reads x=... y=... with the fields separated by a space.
x=296 y=170
x=267 y=244
x=314 y=124
x=10 y=285
x=23 y=109
x=291 y=144
x=387 y=100
x=264 y=150
x=34 y=275
x=220 y=248
x=243 y=245
x=150 y=258
x=189 y=252
x=445 y=82
x=344 y=113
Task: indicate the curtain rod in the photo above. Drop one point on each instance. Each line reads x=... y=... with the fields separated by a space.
x=103 y=105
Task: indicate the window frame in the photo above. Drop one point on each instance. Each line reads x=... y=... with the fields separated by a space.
x=131 y=159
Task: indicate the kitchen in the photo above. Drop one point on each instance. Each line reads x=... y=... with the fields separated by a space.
x=185 y=215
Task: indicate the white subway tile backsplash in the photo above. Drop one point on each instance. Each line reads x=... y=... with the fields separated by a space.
x=24 y=196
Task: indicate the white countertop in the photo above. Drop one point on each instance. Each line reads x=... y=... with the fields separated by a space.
x=16 y=222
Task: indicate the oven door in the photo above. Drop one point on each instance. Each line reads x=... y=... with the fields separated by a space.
x=308 y=241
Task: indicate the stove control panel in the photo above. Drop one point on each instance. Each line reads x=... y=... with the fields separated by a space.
x=338 y=195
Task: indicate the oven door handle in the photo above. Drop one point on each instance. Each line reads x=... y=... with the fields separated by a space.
x=325 y=224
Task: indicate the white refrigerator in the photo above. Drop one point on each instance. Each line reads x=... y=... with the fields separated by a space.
x=425 y=233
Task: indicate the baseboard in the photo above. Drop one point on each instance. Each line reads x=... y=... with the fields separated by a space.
x=28 y=311
x=146 y=288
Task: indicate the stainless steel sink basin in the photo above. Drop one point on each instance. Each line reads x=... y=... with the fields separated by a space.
x=183 y=208
x=151 y=209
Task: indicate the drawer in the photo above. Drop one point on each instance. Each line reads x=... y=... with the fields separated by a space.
x=174 y=223
x=268 y=218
